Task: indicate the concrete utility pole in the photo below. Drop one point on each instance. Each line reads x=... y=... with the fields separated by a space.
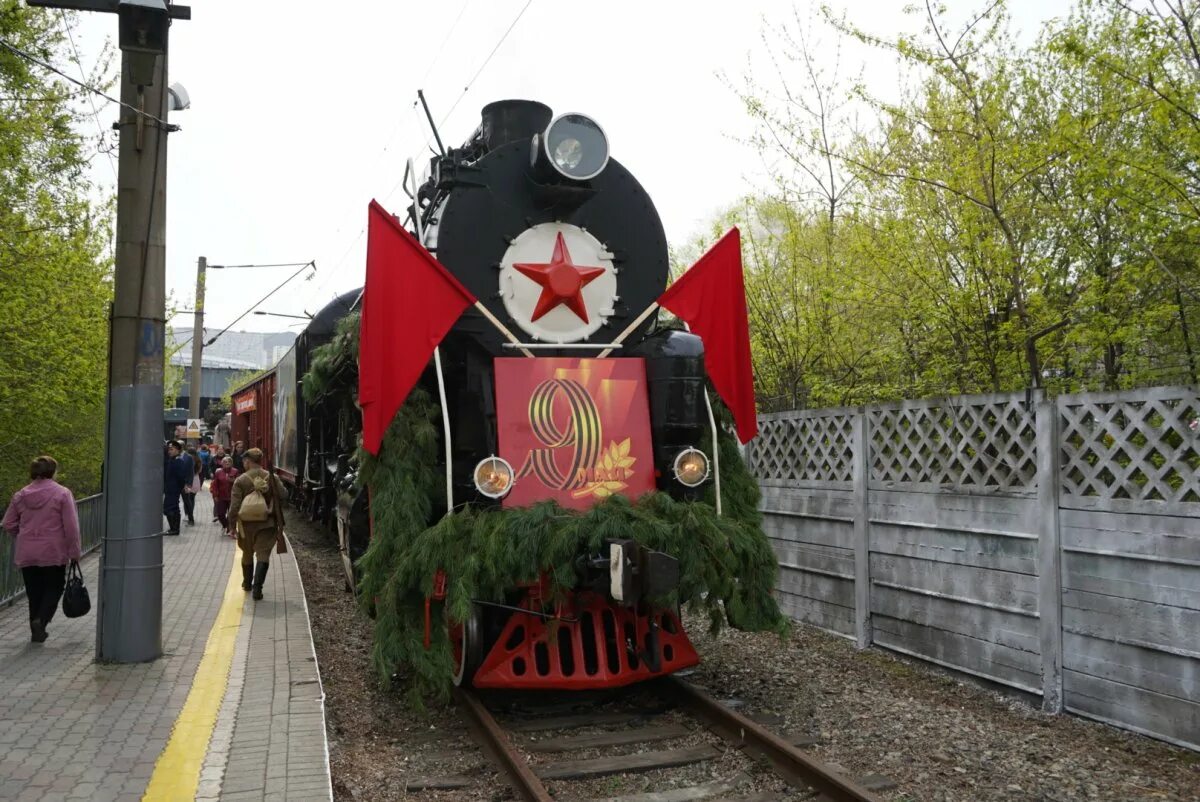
x=129 y=608
x=197 y=341
x=129 y=622
x=129 y=614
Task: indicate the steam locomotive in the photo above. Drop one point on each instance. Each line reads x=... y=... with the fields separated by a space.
x=565 y=250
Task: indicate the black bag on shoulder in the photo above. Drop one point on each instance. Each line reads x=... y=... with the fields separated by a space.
x=76 y=601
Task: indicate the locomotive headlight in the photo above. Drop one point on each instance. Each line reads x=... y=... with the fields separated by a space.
x=691 y=467
x=494 y=477
x=567 y=154
x=575 y=146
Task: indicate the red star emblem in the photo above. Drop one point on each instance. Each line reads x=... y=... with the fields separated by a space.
x=562 y=281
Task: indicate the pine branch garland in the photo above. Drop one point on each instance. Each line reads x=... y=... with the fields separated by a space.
x=727 y=568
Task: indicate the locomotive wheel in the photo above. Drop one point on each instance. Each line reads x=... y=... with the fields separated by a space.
x=466 y=646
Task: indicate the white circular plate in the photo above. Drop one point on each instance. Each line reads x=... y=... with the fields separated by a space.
x=558 y=283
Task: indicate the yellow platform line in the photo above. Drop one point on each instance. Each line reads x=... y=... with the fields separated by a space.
x=177 y=771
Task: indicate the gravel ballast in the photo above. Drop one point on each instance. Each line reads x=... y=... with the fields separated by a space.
x=938 y=737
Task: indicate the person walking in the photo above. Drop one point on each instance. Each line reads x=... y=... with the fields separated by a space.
x=192 y=486
x=205 y=462
x=43 y=520
x=256 y=515
x=177 y=472
x=239 y=453
x=221 y=488
x=218 y=459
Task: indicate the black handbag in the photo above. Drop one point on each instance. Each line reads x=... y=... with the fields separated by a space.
x=76 y=601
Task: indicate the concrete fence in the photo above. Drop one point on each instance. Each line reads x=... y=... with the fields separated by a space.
x=91 y=531
x=1052 y=546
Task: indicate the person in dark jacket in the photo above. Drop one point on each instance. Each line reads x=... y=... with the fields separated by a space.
x=239 y=454
x=177 y=472
x=193 y=485
x=43 y=520
x=256 y=538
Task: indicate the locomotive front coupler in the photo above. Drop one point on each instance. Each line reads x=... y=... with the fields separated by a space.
x=629 y=572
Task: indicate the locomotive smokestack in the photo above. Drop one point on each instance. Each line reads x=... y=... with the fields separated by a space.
x=510 y=120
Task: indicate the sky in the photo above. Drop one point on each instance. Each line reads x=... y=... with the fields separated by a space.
x=302 y=113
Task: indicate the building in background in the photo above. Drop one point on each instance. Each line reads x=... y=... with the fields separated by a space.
x=260 y=349
x=236 y=353
x=218 y=372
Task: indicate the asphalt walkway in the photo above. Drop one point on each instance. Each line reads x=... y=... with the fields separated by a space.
x=234 y=709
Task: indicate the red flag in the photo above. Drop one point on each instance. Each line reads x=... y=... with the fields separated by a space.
x=711 y=298
x=410 y=301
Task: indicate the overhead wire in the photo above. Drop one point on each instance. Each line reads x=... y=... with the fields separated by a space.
x=62 y=15
x=254 y=306
x=47 y=66
x=483 y=66
x=403 y=124
x=401 y=128
x=276 y=264
x=445 y=117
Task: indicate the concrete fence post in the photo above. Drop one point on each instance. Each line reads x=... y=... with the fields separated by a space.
x=862 y=531
x=1049 y=555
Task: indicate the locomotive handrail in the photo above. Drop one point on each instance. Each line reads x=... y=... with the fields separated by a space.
x=546 y=346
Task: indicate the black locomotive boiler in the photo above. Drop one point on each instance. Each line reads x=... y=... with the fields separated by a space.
x=559 y=388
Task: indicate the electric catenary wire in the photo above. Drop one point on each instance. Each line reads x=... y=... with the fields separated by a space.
x=276 y=264
x=445 y=117
x=471 y=82
x=283 y=284
x=44 y=65
x=486 y=61
x=62 y=15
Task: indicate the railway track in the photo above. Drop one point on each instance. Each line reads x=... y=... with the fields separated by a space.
x=508 y=747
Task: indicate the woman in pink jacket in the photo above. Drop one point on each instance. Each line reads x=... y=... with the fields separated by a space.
x=43 y=520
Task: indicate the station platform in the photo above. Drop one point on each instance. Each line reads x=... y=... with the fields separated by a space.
x=233 y=710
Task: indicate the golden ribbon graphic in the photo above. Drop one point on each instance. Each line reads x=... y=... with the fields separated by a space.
x=582 y=431
x=594 y=471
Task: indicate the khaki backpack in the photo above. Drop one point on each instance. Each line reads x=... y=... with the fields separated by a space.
x=254 y=507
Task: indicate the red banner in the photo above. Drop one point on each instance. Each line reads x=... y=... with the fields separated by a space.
x=575 y=430
x=245 y=402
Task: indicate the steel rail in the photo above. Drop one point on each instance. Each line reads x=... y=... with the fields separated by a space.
x=495 y=740
x=789 y=762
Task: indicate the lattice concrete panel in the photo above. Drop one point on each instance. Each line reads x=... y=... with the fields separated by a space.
x=804 y=447
x=987 y=445
x=1139 y=446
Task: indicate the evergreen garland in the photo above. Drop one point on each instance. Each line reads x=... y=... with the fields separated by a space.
x=727 y=567
x=328 y=361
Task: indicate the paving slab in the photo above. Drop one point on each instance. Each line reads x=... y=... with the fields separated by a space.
x=77 y=729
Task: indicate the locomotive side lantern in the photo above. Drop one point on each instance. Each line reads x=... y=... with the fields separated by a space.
x=493 y=477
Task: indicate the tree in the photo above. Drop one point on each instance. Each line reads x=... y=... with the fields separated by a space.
x=1017 y=217
x=214 y=412
x=55 y=266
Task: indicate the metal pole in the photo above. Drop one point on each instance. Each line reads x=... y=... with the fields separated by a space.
x=129 y=616
x=437 y=362
x=716 y=455
x=197 y=341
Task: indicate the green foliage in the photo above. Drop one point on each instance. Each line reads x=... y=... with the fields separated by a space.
x=1007 y=190
x=55 y=266
x=333 y=361
x=214 y=412
x=236 y=381
x=727 y=567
